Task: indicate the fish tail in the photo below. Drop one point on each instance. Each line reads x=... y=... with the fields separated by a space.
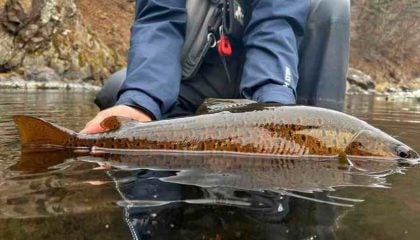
x=39 y=135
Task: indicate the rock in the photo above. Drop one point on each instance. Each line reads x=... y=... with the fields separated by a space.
x=417 y=94
x=17 y=80
x=41 y=74
x=405 y=88
x=51 y=33
x=6 y=48
x=372 y=92
x=360 y=79
x=355 y=89
x=391 y=90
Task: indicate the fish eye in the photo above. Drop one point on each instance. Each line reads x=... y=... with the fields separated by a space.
x=402 y=151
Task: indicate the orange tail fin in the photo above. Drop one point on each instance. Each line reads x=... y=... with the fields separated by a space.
x=39 y=135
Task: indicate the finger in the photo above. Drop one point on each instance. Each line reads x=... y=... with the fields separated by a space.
x=92 y=129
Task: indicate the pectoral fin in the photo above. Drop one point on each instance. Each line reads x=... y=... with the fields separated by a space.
x=115 y=123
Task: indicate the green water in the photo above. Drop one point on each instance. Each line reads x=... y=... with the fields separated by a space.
x=55 y=197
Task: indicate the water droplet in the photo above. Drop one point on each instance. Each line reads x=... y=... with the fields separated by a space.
x=172 y=225
x=155 y=196
x=153 y=215
x=280 y=208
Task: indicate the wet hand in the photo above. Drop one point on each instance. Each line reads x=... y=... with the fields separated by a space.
x=94 y=126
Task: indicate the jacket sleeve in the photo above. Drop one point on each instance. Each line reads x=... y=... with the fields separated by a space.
x=154 y=69
x=271 y=38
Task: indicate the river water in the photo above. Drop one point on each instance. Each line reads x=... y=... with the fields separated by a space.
x=56 y=196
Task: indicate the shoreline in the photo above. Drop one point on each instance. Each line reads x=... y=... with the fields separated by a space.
x=412 y=94
x=18 y=82
x=57 y=85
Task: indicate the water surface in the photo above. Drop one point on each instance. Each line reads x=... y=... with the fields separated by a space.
x=56 y=196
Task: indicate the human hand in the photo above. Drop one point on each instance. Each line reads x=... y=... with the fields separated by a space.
x=94 y=125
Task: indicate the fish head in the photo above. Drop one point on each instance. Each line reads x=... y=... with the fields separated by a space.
x=375 y=143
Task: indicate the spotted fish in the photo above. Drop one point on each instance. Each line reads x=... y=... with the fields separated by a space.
x=292 y=131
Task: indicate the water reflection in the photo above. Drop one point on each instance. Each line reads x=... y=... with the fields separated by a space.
x=163 y=195
x=155 y=207
x=62 y=196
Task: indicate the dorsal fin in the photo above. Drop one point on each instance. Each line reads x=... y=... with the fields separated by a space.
x=116 y=122
x=37 y=133
x=214 y=105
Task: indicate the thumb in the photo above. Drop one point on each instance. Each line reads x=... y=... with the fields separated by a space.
x=94 y=126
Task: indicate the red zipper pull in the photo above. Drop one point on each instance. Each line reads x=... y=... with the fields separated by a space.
x=224 y=47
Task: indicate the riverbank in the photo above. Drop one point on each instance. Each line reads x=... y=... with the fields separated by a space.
x=22 y=84
x=43 y=78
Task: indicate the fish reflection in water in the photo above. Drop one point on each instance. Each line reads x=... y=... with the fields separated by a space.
x=284 y=175
x=158 y=192
x=256 y=173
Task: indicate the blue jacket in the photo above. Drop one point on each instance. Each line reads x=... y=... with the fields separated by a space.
x=271 y=42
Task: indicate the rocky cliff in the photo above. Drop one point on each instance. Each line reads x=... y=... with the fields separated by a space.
x=52 y=33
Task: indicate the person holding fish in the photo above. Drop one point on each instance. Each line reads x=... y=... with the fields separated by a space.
x=290 y=52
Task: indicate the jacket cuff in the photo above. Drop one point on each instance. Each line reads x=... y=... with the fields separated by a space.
x=275 y=93
x=141 y=101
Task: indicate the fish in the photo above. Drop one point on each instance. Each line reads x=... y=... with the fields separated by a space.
x=263 y=130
